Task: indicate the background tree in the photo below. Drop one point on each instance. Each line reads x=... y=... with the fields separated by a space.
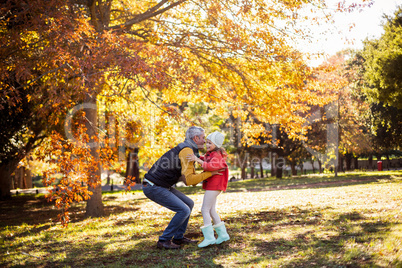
x=340 y=125
x=378 y=83
x=386 y=128
x=383 y=61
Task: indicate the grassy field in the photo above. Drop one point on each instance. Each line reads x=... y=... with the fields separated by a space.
x=354 y=220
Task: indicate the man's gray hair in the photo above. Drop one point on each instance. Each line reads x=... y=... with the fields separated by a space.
x=194 y=131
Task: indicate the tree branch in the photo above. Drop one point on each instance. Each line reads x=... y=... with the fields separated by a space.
x=152 y=12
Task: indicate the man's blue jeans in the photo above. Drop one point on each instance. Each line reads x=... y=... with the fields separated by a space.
x=176 y=201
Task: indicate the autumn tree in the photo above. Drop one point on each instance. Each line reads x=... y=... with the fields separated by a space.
x=33 y=49
x=353 y=136
x=24 y=131
x=337 y=130
x=164 y=52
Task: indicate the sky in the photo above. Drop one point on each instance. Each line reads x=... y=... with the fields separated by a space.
x=367 y=24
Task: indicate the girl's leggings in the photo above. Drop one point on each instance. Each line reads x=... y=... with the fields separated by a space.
x=208 y=209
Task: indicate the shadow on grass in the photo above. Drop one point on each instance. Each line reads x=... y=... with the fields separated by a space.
x=303 y=238
x=301 y=246
x=146 y=254
x=36 y=210
x=26 y=209
x=140 y=252
x=297 y=237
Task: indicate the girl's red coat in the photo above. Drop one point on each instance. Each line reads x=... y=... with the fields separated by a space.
x=215 y=161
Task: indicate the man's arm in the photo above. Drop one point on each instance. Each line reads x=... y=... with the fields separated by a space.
x=188 y=170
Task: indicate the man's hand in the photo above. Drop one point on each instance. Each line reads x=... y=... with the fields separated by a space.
x=217 y=172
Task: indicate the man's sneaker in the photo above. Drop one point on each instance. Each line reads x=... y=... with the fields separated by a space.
x=184 y=240
x=167 y=245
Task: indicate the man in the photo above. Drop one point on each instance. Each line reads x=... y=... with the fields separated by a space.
x=158 y=182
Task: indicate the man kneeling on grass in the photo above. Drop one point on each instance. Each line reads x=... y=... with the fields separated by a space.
x=166 y=172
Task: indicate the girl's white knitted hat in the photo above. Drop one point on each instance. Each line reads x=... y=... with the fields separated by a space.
x=216 y=138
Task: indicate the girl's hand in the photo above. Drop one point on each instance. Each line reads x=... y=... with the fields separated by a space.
x=191 y=157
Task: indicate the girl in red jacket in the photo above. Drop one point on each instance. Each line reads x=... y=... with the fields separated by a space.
x=214 y=159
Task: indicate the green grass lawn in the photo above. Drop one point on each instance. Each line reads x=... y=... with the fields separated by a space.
x=354 y=220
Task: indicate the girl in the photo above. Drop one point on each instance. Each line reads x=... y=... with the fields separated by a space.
x=213 y=160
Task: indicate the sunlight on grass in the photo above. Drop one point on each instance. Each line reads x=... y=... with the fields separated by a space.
x=357 y=224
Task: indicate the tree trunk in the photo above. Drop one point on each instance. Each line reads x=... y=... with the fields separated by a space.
x=279 y=172
x=348 y=159
x=243 y=173
x=273 y=168
x=252 y=172
x=132 y=170
x=388 y=162
x=370 y=162
x=22 y=178
x=319 y=166
x=355 y=163
x=279 y=165
x=100 y=19
x=261 y=169
x=340 y=164
x=293 y=168
x=18 y=179
x=312 y=166
x=128 y=169
x=242 y=163
x=94 y=206
x=108 y=177
x=5 y=183
x=301 y=168
x=5 y=179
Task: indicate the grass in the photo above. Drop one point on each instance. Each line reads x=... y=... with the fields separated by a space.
x=354 y=220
